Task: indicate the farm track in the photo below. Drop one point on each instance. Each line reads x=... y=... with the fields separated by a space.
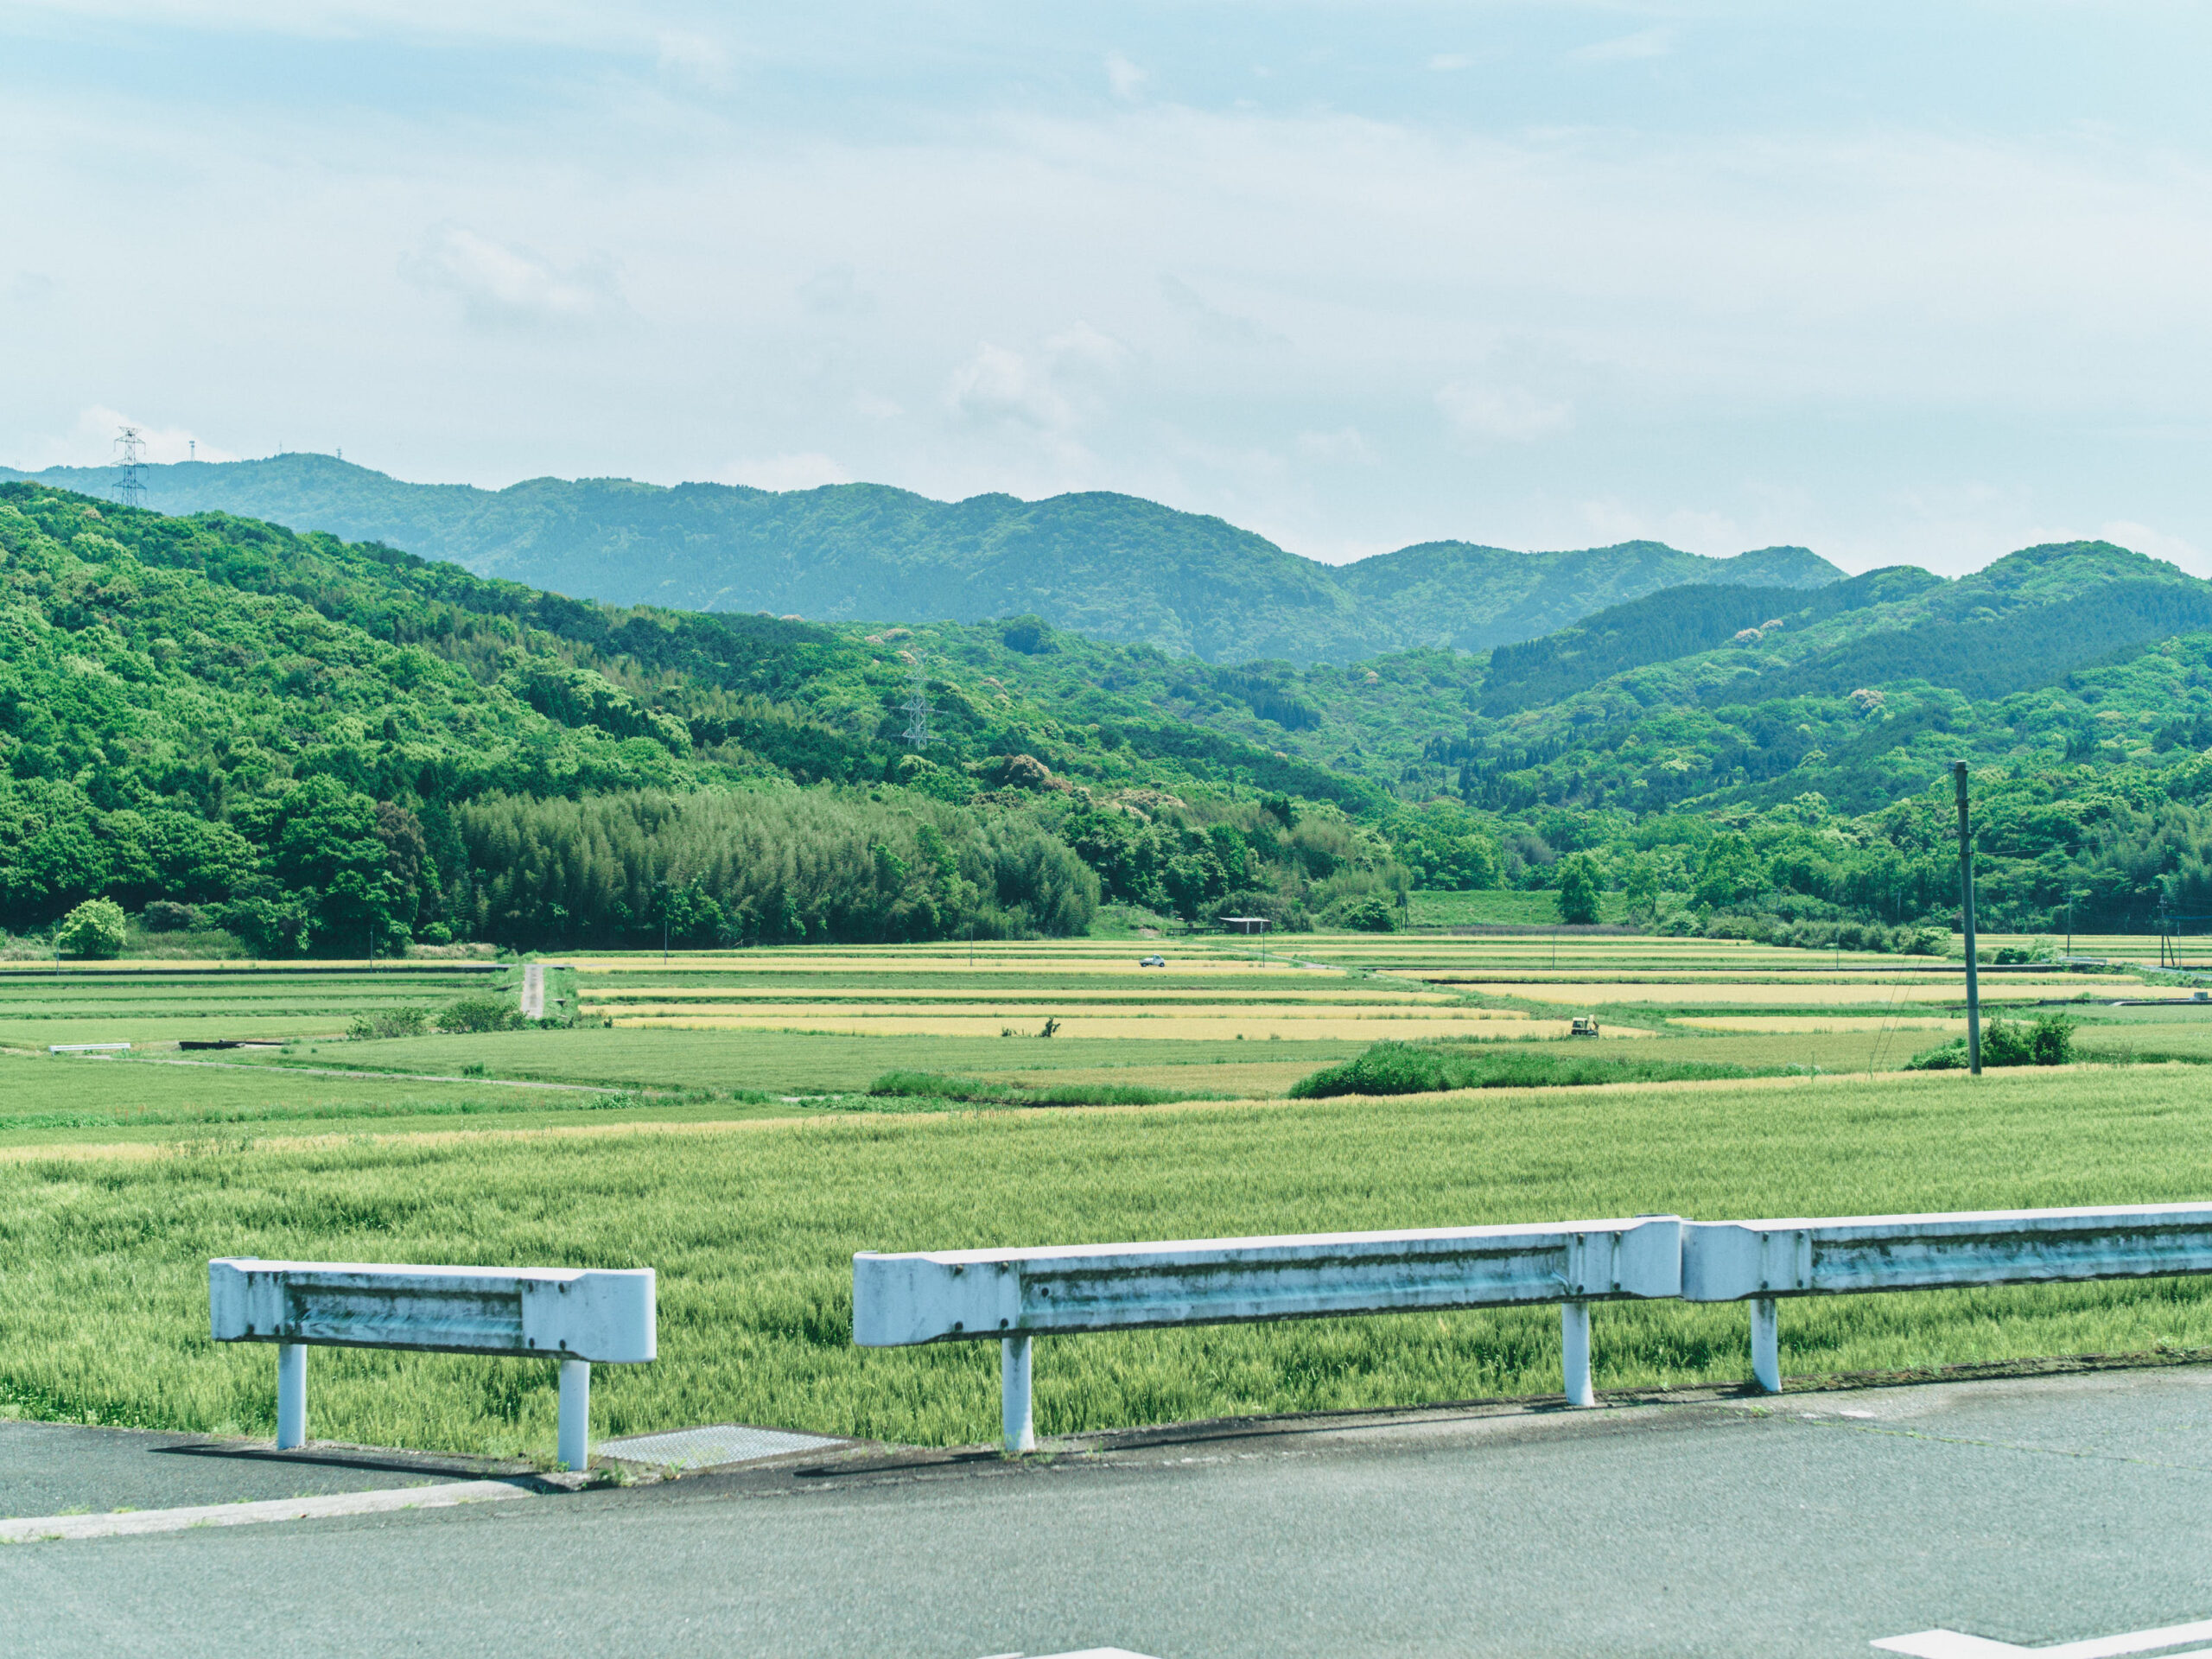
x=289 y=1069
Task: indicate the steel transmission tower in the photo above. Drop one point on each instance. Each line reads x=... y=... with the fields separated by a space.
x=128 y=489
x=918 y=711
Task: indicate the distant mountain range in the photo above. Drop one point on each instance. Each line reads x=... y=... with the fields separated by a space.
x=1114 y=567
x=213 y=711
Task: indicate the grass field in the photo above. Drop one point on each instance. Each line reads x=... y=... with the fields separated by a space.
x=1442 y=909
x=752 y=1227
x=118 y=1002
x=747 y=1163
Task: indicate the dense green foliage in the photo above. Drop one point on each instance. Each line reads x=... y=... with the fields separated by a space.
x=1114 y=566
x=331 y=747
x=337 y=747
x=1674 y=622
x=974 y=1091
x=2046 y=1040
x=1423 y=1068
x=1808 y=818
x=711 y=870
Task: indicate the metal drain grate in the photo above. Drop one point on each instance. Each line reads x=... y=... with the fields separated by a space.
x=713 y=1446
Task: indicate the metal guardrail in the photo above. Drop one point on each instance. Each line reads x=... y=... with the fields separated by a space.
x=1014 y=1295
x=572 y=1315
x=1762 y=1261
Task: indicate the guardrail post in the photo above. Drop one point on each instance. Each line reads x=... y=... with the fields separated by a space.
x=1014 y=1411
x=1574 y=1352
x=1766 y=1344
x=291 y=1395
x=576 y=1415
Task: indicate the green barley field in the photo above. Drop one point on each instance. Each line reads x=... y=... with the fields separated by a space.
x=716 y=1126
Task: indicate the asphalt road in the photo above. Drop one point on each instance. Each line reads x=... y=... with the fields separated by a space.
x=2029 y=1512
x=64 y=1468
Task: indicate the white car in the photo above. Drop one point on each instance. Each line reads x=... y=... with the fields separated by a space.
x=1153 y=962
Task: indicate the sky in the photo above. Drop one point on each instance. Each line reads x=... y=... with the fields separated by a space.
x=1900 y=282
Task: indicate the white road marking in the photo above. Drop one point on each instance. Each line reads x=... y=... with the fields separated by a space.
x=1951 y=1644
x=444 y=1496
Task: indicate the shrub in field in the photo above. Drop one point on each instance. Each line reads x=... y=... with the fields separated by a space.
x=2048 y=1041
x=1368 y=913
x=475 y=1013
x=165 y=916
x=390 y=1022
x=1395 y=1068
x=1384 y=1069
x=931 y=1085
x=93 y=929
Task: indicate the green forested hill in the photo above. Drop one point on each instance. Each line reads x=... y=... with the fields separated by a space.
x=322 y=746
x=333 y=746
x=1860 y=692
x=1112 y=566
x=1789 y=766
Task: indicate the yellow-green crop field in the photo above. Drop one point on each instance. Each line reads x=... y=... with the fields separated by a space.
x=711 y=1117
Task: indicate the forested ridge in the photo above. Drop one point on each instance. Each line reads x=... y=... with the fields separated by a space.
x=313 y=746
x=323 y=746
x=1116 y=566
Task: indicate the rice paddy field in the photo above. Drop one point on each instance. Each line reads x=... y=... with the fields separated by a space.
x=710 y=1116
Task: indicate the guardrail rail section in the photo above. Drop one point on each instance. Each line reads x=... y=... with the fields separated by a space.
x=576 y=1316
x=1763 y=1261
x=1014 y=1295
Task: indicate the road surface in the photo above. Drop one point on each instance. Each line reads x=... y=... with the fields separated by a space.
x=2025 y=1513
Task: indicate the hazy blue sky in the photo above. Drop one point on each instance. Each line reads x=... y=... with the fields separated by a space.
x=1901 y=282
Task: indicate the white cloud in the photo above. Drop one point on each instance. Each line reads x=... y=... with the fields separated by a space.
x=558 y=21
x=1343 y=445
x=499 y=285
x=1124 y=77
x=1048 y=389
x=1706 y=298
x=835 y=291
x=1222 y=327
x=1625 y=49
x=996 y=384
x=796 y=472
x=1502 y=414
x=1446 y=62
x=698 y=58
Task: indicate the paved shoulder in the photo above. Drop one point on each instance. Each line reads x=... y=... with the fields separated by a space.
x=63 y=1469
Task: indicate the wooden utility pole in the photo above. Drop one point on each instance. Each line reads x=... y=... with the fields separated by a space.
x=1966 y=911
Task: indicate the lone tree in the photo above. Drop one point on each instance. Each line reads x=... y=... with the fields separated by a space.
x=93 y=929
x=1578 y=889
